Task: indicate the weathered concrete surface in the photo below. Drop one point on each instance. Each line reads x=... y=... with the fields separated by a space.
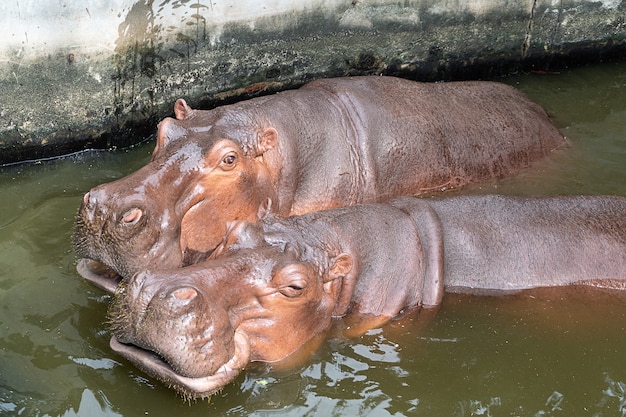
x=76 y=75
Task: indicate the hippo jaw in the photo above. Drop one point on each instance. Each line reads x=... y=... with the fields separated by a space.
x=195 y=387
x=99 y=274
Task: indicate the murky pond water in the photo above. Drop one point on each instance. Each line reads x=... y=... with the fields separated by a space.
x=540 y=354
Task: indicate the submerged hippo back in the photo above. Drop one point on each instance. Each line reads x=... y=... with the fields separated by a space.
x=410 y=137
x=508 y=243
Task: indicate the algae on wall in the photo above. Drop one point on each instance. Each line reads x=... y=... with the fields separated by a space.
x=102 y=73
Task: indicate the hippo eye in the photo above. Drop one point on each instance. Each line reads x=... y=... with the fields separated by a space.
x=229 y=161
x=132 y=216
x=294 y=289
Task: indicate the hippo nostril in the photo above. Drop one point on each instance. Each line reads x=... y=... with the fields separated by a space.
x=184 y=294
x=132 y=216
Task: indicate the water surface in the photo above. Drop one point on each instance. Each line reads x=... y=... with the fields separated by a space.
x=540 y=354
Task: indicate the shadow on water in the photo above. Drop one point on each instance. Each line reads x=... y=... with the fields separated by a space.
x=527 y=355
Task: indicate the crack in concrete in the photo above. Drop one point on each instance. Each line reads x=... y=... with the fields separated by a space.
x=529 y=28
x=557 y=24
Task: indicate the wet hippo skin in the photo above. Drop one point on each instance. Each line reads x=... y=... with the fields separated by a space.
x=332 y=143
x=272 y=286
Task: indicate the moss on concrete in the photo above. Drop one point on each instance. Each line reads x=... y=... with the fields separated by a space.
x=71 y=100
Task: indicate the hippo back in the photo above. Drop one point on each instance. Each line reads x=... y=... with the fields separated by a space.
x=508 y=243
x=408 y=137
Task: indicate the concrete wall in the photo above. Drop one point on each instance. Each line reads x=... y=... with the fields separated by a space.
x=75 y=75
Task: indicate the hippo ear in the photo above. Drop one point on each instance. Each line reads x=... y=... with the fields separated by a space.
x=182 y=109
x=239 y=234
x=340 y=283
x=342 y=265
x=168 y=131
x=289 y=247
x=264 y=209
x=268 y=139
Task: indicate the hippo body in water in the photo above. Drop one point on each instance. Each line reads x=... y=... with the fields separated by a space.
x=274 y=285
x=332 y=143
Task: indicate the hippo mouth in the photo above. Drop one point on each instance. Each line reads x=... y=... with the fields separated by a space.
x=99 y=274
x=198 y=387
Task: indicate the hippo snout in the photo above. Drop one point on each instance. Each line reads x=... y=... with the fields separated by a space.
x=91 y=202
x=87 y=209
x=160 y=315
x=138 y=291
x=94 y=210
x=94 y=207
x=134 y=285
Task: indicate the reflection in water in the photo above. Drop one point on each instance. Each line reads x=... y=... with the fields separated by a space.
x=91 y=406
x=477 y=408
x=523 y=355
x=616 y=390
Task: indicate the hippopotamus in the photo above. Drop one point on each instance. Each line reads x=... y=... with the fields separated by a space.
x=332 y=143
x=273 y=286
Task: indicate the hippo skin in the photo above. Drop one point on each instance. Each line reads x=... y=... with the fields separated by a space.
x=332 y=143
x=364 y=264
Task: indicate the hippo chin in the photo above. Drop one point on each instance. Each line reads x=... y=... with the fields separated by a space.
x=332 y=143
x=272 y=286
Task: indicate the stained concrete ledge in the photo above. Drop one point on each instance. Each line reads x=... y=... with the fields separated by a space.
x=100 y=74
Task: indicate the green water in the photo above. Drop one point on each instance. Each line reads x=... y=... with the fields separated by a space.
x=523 y=356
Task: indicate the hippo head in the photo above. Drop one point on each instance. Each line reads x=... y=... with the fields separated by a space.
x=207 y=168
x=196 y=327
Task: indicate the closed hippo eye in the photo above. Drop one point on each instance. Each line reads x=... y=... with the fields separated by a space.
x=132 y=216
x=293 y=289
x=291 y=280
